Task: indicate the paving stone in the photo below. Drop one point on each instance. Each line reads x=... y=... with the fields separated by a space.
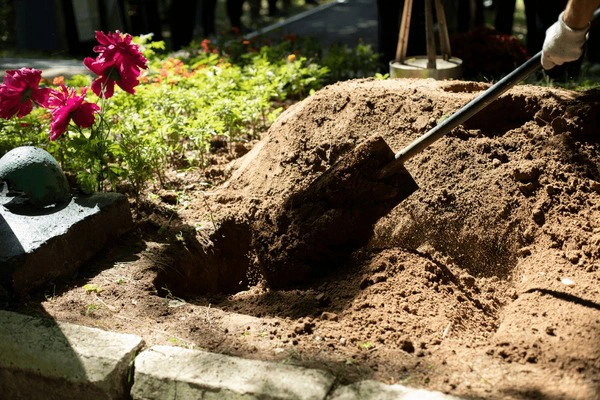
x=340 y=22
x=37 y=245
x=373 y=390
x=165 y=373
x=50 y=68
x=43 y=359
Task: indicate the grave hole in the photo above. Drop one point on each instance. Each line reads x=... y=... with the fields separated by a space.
x=215 y=262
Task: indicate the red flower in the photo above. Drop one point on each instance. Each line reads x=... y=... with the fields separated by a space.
x=488 y=53
x=206 y=47
x=20 y=91
x=118 y=61
x=65 y=106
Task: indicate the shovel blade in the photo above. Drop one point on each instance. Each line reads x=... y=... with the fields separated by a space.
x=368 y=178
x=318 y=227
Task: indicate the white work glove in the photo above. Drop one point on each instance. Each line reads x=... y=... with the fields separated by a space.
x=562 y=44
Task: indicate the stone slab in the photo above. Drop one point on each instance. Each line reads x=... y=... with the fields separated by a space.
x=44 y=359
x=50 y=67
x=37 y=245
x=373 y=390
x=169 y=373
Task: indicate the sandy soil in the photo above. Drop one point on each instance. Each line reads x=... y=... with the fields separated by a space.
x=484 y=283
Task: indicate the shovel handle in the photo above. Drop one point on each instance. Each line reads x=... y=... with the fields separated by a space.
x=472 y=108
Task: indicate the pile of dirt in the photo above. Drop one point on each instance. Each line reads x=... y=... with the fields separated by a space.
x=485 y=282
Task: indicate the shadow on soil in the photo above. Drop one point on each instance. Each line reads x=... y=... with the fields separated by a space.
x=567 y=297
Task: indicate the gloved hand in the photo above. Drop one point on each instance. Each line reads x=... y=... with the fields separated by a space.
x=562 y=44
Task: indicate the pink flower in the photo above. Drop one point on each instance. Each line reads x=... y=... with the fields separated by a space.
x=65 y=106
x=118 y=61
x=20 y=91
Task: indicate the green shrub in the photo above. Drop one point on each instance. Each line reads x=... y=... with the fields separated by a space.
x=233 y=89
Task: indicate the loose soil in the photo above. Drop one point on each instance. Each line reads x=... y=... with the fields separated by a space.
x=484 y=283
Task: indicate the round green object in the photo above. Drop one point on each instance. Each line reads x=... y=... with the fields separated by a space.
x=36 y=173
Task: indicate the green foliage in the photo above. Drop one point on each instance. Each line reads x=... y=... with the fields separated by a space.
x=347 y=63
x=585 y=82
x=29 y=130
x=232 y=89
x=92 y=287
x=147 y=46
x=78 y=81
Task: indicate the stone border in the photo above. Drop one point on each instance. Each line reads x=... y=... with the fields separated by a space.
x=44 y=359
x=39 y=245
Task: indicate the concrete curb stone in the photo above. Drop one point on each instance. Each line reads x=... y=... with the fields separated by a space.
x=165 y=372
x=44 y=359
x=169 y=373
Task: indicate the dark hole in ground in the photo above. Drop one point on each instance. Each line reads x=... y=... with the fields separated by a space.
x=219 y=265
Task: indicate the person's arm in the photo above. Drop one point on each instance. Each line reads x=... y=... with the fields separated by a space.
x=578 y=13
x=566 y=37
